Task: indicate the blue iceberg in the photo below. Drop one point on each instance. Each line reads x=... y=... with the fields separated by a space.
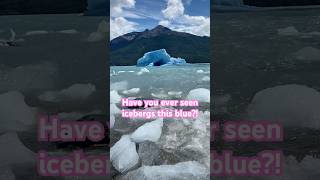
x=159 y=58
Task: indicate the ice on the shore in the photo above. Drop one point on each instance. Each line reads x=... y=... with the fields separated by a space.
x=159 y=58
x=181 y=171
x=149 y=153
x=115 y=98
x=13 y=152
x=131 y=91
x=112 y=121
x=114 y=109
x=150 y=131
x=123 y=154
x=308 y=54
x=200 y=94
x=15 y=114
x=74 y=92
x=292 y=105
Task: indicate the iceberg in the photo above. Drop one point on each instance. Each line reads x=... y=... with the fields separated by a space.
x=150 y=131
x=123 y=154
x=159 y=58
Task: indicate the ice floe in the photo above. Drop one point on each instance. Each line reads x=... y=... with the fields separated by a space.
x=205 y=79
x=308 y=54
x=36 y=32
x=150 y=131
x=131 y=91
x=200 y=94
x=115 y=97
x=143 y=71
x=123 y=154
x=292 y=105
x=74 y=92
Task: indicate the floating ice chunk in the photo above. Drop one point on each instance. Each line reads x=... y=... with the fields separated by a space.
x=16 y=79
x=176 y=94
x=131 y=91
x=308 y=54
x=118 y=86
x=291 y=105
x=13 y=152
x=205 y=78
x=181 y=171
x=38 y=32
x=115 y=98
x=200 y=94
x=114 y=109
x=288 y=31
x=15 y=114
x=112 y=121
x=74 y=92
x=68 y=31
x=200 y=71
x=123 y=154
x=150 y=131
x=143 y=71
x=79 y=91
x=159 y=58
x=161 y=95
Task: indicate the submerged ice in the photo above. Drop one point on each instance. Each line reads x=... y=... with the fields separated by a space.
x=159 y=58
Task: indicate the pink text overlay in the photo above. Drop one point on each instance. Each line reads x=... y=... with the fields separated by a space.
x=75 y=164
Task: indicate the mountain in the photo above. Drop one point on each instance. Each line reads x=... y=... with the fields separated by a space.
x=14 y=7
x=128 y=48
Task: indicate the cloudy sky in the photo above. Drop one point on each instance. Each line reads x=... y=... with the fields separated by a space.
x=192 y=16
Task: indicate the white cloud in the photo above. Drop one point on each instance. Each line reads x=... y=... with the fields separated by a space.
x=120 y=26
x=176 y=19
x=174 y=9
x=117 y=6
